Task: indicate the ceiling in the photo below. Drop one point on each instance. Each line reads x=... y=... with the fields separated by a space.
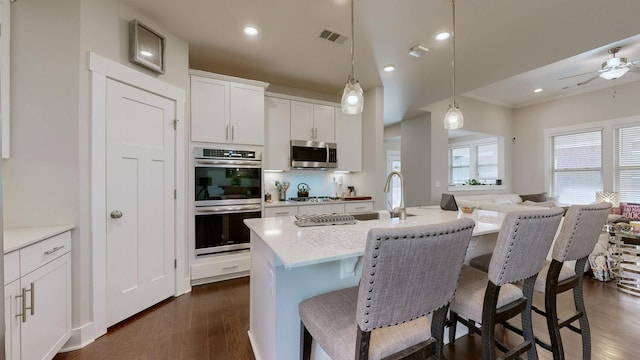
x=504 y=48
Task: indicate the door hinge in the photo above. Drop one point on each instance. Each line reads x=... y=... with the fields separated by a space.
x=175 y=124
x=175 y=263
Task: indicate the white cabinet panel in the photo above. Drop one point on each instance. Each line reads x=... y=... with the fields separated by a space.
x=226 y=112
x=209 y=109
x=312 y=122
x=38 y=303
x=349 y=141
x=247 y=114
x=277 y=133
x=280 y=211
x=302 y=121
x=321 y=209
x=358 y=207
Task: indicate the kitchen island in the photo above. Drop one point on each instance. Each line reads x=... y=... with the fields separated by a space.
x=291 y=263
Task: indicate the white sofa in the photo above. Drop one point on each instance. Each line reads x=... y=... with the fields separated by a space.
x=499 y=202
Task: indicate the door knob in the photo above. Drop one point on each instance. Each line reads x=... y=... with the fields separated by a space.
x=116 y=214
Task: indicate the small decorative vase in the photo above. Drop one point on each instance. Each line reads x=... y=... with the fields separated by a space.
x=282 y=195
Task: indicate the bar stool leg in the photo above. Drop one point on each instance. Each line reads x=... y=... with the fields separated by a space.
x=578 y=298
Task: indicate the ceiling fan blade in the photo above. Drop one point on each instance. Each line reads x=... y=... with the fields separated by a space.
x=587 y=81
x=567 y=77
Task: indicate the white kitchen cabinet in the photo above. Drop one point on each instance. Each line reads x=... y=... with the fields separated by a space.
x=38 y=303
x=358 y=207
x=348 y=140
x=312 y=122
x=277 y=134
x=321 y=209
x=225 y=111
x=280 y=211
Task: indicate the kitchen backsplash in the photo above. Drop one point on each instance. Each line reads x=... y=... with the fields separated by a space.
x=321 y=183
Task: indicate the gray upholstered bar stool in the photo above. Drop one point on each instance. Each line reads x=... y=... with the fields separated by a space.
x=578 y=236
x=407 y=273
x=491 y=298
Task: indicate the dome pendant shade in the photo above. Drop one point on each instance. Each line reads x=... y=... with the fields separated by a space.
x=453 y=119
x=352 y=97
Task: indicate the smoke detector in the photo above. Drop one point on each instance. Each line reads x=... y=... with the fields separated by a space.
x=418 y=50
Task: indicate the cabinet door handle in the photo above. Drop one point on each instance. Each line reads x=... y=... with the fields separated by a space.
x=282 y=213
x=226 y=132
x=49 y=252
x=33 y=295
x=233 y=132
x=24 y=303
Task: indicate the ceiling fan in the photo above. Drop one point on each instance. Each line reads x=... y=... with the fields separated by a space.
x=611 y=69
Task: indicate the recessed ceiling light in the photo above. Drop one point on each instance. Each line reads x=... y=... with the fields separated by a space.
x=251 y=31
x=442 y=36
x=537 y=90
x=389 y=68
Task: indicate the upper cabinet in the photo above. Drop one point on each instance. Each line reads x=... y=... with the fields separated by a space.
x=349 y=141
x=313 y=122
x=226 y=111
x=5 y=29
x=277 y=135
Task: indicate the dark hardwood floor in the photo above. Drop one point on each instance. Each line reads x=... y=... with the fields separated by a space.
x=212 y=321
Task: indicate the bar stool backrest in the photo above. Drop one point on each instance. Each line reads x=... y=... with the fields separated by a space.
x=523 y=243
x=580 y=231
x=409 y=272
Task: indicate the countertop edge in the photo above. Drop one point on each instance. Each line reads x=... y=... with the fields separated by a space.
x=309 y=203
x=18 y=238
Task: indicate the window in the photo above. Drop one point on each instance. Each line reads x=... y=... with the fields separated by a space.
x=577 y=167
x=627 y=167
x=474 y=160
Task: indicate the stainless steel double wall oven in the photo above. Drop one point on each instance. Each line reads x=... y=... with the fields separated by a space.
x=227 y=190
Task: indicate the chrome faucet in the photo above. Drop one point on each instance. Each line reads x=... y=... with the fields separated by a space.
x=400 y=211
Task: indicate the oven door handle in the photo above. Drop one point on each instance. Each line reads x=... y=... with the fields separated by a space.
x=246 y=163
x=227 y=209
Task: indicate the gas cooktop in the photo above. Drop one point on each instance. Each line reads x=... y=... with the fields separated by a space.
x=314 y=199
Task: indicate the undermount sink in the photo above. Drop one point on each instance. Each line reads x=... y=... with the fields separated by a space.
x=372 y=215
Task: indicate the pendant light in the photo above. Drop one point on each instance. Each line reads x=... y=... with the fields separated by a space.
x=453 y=119
x=352 y=98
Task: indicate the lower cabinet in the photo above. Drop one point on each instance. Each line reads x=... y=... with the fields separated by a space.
x=290 y=210
x=38 y=303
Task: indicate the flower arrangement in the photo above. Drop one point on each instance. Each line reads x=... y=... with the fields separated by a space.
x=282 y=186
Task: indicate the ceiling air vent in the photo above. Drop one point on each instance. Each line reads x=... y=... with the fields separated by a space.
x=333 y=36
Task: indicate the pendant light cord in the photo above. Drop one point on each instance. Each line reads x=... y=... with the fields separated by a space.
x=352 y=43
x=453 y=61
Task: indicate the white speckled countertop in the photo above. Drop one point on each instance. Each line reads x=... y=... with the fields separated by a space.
x=17 y=238
x=311 y=203
x=299 y=246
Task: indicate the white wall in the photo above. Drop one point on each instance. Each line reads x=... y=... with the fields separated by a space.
x=371 y=179
x=415 y=147
x=530 y=122
x=479 y=117
x=46 y=180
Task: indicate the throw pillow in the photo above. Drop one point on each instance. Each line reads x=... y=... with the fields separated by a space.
x=541 y=197
x=548 y=204
x=631 y=211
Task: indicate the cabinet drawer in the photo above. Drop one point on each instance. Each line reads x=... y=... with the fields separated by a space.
x=321 y=209
x=358 y=207
x=281 y=211
x=38 y=254
x=11 y=267
x=226 y=265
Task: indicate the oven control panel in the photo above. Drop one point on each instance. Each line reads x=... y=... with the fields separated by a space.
x=204 y=153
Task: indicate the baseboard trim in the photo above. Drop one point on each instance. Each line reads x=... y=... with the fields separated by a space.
x=80 y=337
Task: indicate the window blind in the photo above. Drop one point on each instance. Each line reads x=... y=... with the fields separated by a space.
x=577 y=167
x=627 y=169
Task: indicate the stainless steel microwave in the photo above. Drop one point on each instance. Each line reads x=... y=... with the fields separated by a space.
x=313 y=155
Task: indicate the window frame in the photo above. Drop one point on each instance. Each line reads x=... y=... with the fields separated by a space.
x=473 y=145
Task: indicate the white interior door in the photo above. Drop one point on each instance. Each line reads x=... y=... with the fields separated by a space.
x=140 y=200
